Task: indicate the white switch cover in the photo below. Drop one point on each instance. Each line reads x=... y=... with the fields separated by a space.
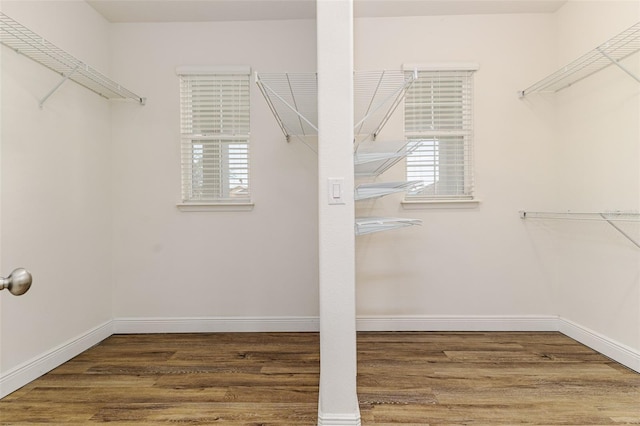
x=336 y=190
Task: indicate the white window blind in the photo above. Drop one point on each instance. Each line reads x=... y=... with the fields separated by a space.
x=214 y=126
x=438 y=119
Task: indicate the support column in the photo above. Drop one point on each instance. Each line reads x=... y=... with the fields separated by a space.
x=338 y=402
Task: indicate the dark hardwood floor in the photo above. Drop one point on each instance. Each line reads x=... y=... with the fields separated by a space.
x=417 y=378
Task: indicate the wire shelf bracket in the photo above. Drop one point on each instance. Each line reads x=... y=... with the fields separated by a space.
x=609 y=217
x=293 y=100
x=377 y=95
x=24 y=41
x=609 y=53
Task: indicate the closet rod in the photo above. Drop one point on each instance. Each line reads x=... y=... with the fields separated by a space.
x=608 y=217
x=617 y=216
x=35 y=47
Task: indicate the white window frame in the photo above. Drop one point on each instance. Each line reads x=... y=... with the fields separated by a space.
x=215 y=136
x=448 y=181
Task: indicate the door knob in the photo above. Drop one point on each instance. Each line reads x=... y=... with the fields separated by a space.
x=18 y=282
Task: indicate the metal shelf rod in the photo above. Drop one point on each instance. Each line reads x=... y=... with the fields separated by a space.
x=593 y=216
x=608 y=217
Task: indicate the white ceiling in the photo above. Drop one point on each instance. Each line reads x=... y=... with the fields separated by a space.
x=248 y=10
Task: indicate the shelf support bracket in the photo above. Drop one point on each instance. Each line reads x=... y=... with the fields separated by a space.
x=399 y=96
x=66 y=77
x=271 y=106
x=619 y=65
x=292 y=108
x=617 y=228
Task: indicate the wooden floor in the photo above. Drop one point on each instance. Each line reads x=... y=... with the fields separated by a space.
x=272 y=379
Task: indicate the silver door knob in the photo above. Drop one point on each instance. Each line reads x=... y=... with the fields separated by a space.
x=18 y=282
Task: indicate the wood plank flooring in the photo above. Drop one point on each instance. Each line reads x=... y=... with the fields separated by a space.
x=416 y=378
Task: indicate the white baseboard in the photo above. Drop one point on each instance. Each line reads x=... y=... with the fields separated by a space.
x=36 y=367
x=457 y=323
x=364 y=323
x=329 y=419
x=215 y=324
x=30 y=370
x=623 y=354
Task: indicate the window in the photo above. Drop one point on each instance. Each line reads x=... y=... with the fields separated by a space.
x=214 y=127
x=438 y=125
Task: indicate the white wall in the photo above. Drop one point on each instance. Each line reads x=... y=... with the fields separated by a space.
x=467 y=261
x=599 y=147
x=55 y=188
x=479 y=261
x=174 y=264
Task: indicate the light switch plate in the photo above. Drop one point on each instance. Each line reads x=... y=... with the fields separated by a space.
x=335 y=190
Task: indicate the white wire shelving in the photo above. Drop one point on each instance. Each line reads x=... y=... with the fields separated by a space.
x=377 y=95
x=24 y=41
x=367 y=191
x=609 y=53
x=372 y=159
x=293 y=100
x=609 y=217
x=369 y=225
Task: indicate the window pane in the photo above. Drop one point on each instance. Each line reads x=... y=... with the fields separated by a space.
x=215 y=169
x=422 y=164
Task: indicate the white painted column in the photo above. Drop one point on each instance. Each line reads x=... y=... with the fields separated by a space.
x=338 y=402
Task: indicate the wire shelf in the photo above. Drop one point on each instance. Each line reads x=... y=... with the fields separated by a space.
x=611 y=52
x=24 y=41
x=293 y=100
x=373 y=159
x=369 y=225
x=366 y=191
x=377 y=94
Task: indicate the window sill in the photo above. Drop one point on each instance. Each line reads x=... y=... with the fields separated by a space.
x=424 y=204
x=216 y=207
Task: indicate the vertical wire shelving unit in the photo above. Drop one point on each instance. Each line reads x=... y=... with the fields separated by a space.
x=33 y=46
